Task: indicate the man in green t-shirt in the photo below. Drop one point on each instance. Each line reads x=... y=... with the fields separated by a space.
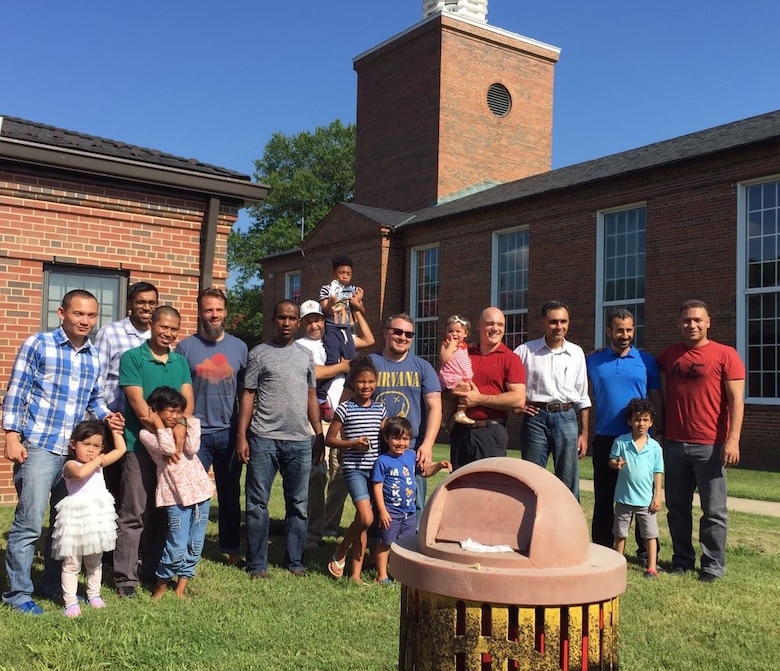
x=141 y=370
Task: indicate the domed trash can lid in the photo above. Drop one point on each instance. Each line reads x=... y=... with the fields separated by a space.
x=547 y=558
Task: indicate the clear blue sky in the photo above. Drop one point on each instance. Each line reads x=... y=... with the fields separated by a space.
x=213 y=80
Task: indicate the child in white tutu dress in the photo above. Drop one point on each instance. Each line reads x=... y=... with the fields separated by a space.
x=85 y=527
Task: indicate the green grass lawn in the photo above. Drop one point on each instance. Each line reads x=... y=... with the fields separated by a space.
x=316 y=622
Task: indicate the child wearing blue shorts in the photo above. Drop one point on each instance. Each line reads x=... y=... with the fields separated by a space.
x=355 y=430
x=394 y=489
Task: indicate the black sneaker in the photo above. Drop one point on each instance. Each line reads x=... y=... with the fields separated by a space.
x=708 y=577
x=678 y=570
x=126 y=592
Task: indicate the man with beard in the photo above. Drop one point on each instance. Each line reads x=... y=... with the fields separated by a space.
x=408 y=385
x=617 y=374
x=112 y=341
x=217 y=361
x=141 y=370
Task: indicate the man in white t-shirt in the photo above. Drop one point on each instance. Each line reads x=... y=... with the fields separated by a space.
x=325 y=513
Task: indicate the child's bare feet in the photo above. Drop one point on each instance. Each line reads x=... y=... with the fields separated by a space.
x=181 y=586
x=159 y=590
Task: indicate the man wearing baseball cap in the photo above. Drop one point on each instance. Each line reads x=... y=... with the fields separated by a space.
x=325 y=514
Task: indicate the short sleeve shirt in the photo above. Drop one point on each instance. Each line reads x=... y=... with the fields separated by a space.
x=281 y=378
x=402 y=386
x=139 y=368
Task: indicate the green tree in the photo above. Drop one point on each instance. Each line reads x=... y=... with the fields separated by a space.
x=245 y=313
x=309 y=173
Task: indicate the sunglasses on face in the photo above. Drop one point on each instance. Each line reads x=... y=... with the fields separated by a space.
x=401 y=332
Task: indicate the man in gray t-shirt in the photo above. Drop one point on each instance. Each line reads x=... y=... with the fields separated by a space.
x=277 y=409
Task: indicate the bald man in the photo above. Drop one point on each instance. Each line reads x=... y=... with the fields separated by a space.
x=498 y=387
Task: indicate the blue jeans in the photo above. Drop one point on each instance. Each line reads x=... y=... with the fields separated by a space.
x=37 y=478
x=218 y=449
x=358 y=483
x=689 y=466
x=553 y=433
x=292 y=458
x=184 y=542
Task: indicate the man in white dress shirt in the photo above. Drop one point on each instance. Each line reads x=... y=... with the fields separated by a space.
x=557 y=402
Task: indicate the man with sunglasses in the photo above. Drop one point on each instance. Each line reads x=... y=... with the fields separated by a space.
x=409 y=387
x=498 y=386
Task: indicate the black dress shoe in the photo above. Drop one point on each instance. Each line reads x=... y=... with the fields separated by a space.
x=126 y=592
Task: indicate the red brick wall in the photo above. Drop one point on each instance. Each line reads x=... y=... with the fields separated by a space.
x=690 y=253
x=46 y=218
x=424 y=129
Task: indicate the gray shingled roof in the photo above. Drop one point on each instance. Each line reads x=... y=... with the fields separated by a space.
x=38 y=133
x=383 y=217
x=721 y=138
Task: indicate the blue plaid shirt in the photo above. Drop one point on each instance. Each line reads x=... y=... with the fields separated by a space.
x=112 y=341
x=52 y=386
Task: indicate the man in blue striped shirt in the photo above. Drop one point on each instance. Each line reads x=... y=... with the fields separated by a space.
x=54 y=383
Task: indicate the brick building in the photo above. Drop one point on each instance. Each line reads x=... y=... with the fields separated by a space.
x=78 y=211
x=693 y=217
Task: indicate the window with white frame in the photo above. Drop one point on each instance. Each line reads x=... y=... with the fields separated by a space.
x=620 y=268
x=109 y=287
x=292 y=286
x=759 y=281
x=510 y=282
x=425 y=301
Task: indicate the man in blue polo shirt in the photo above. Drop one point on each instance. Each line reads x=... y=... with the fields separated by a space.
x=617 y=374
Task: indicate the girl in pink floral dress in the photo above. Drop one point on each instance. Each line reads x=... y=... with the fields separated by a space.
x=183 y=488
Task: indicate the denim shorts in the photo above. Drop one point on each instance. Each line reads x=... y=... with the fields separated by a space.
x=400 y=526
x=646 y=521
x=358 y=483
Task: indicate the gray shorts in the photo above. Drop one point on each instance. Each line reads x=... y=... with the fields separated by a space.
x=646 y=521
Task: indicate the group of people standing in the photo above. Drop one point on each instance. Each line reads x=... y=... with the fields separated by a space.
x=212 y=403
x=154 y=418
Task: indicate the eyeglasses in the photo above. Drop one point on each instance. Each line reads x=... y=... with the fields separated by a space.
x=151 y=304
x=401 y=332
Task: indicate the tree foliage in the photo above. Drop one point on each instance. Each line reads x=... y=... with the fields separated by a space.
x=309 y=173
x=245 y=314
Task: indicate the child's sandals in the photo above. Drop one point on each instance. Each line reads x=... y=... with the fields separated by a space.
x=336 y=567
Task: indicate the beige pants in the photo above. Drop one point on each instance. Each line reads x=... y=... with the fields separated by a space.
x=325 y=513
x=71 y=567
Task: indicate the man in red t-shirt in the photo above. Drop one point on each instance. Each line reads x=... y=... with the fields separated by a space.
x=705 y=384
x=498 y=386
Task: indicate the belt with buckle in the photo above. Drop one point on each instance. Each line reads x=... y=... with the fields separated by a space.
x=482 y=423
x=552 y=407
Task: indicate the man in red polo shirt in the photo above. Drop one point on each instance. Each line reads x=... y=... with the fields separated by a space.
x=498 y=387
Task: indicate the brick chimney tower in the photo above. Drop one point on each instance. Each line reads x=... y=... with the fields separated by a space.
x=451 y=104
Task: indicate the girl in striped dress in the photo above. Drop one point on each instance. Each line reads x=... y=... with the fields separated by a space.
x=355 y=430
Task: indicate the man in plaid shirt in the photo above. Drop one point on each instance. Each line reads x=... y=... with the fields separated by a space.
x=54 y=383
x=112 y=341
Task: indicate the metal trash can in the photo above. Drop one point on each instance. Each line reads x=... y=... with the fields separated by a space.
x=548 y=601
